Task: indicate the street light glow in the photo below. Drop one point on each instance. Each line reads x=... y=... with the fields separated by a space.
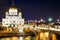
x=58 y=20
x=50 y=19
x=41 y=20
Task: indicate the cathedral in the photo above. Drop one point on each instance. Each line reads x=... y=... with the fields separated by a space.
x=13 y=17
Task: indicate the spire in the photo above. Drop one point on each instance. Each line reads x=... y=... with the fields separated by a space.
x=13 y=6
x=12 y=2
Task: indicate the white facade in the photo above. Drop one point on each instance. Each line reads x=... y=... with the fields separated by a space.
x=13 y=18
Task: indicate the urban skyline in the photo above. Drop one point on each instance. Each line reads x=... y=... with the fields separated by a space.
x=33 y=9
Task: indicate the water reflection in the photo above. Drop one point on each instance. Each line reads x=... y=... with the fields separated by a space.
x=18 y=38
x=7 y=38
x=21 y=38
x=41 y=36
x=27 y=38
x=14 y=38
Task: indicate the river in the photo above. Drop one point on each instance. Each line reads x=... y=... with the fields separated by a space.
x=18 y=38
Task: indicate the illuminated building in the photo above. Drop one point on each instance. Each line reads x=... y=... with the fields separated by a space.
x=13 y=18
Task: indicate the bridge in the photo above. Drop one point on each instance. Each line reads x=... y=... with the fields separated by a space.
x=30 y=30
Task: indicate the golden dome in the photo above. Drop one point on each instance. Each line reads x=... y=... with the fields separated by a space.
x=13 y=7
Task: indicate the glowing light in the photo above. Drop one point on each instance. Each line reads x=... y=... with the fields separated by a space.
x=38 y=21
x=13 y=10
x=41 y=20
x=35 y=20
x=54 y=37
x=50 y=19
x=14 y=38
x=21 y=30
x=47 y=34
x=58 y=20
x=21 y=38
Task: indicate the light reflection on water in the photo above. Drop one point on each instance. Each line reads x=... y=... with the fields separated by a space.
x=12 y=38
x=15 y=38
x=21 y=38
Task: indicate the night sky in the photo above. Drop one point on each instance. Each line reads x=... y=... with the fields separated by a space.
x=33 y=9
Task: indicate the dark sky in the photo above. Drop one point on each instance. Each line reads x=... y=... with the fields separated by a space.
x=33 y=9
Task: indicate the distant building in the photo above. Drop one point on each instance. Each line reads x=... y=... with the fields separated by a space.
x=13 y=18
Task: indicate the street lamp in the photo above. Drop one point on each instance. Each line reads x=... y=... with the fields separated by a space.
x=50 y=19
x=41 y=20
x=58 y=20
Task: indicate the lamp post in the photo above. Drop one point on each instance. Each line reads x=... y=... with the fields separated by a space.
x=49 y=21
